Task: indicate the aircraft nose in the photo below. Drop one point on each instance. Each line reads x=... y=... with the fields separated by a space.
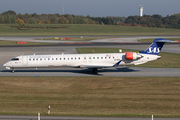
x=7 y=65
x=4 y=65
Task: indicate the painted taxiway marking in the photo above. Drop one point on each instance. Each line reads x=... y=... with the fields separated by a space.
x=29 y=51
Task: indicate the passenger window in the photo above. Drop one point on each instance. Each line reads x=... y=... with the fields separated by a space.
x=75 y=58
x=48 y=58
x=68 y=58
x=52 y=58
x=101 y=57
x=105 y=57
x=97 y=57
x=71 y=58
x=36 y=58
x=64 y=58
x=33 y=59
x=56 y=58
x=59 y=58
x=109 y=57
x=40 y=58
x=93 y=57
x=44 y=58
x=79 y=58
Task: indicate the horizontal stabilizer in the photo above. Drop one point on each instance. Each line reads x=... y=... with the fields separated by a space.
x=165 y=40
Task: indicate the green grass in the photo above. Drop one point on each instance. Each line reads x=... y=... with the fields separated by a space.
x=100 y=50
x=4 y=43
x=83 y=29
x=91 y=96
x=75 y=38
x=168 y=60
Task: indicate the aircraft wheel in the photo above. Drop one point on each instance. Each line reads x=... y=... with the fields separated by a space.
x=95 y=70
x=13 y=70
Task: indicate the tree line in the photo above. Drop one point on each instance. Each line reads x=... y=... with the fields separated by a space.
x=10 y=17
x=172 y=21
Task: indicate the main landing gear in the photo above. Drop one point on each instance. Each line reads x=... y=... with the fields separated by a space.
x=13 y=70
x=95 y=70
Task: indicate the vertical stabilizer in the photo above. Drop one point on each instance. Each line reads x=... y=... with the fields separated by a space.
x=156 y=46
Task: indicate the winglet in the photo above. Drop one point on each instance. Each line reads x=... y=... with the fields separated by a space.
x=115 y=65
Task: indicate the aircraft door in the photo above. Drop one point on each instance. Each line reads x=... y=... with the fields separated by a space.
x=24 y=60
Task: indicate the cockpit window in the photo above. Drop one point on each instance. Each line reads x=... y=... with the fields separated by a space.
x=14 y=59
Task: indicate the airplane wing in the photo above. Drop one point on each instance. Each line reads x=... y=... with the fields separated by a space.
x=94 y=66
x=100 y=65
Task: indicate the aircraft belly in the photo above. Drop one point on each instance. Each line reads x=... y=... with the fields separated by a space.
x=32 y=64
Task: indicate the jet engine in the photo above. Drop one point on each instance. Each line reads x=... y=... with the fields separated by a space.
x=133 y=56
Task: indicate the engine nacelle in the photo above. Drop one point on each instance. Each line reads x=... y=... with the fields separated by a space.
x=132 y=56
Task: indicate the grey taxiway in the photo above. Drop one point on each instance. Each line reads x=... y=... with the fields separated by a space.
x=8 y=52
x=18 y=117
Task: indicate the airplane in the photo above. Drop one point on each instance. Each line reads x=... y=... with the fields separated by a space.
x=91 y=61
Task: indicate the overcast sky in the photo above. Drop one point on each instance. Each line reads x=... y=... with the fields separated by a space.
x=96 y=8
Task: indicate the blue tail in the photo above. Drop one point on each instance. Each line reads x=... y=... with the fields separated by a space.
x=156 y=46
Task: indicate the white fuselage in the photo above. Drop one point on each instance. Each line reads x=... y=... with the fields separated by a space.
x=76 y=60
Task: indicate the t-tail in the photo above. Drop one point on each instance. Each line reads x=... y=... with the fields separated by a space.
x=156 y=47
